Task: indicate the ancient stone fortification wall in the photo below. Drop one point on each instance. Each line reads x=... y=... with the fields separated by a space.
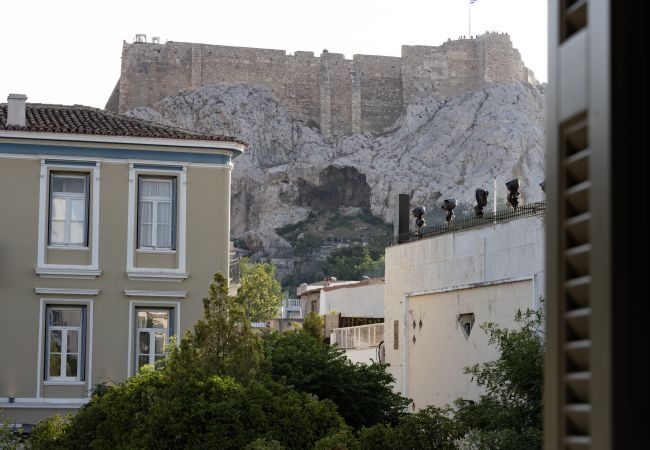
x=340 y=96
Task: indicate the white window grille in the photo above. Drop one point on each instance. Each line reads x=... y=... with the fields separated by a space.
x=153 y=329
x=68 y=210
x=65 y=343
x=156 y=213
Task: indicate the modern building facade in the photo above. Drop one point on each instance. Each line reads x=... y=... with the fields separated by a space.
x=440 y=289
x=111 y=230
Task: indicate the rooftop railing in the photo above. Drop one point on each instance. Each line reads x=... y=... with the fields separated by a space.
x=363 y=336
x=488 y=219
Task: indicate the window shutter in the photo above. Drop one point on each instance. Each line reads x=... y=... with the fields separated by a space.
x=137 y=216
x=174 y=212
x=82 y=350
x=87 y=230
x=395 y=334
x=575 y=303
x=49 y=209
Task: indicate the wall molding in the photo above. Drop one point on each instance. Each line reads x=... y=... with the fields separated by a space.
x=148 y=293
x=66 y=291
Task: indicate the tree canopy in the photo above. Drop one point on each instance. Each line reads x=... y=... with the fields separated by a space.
x=260 y=293
x=362 y=392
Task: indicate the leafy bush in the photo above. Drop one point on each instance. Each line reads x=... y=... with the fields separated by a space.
x=362 y=393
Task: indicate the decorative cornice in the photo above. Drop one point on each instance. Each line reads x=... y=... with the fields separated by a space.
x=46 y=272
x=66 y=291
x=148 y=293
x=157 y=276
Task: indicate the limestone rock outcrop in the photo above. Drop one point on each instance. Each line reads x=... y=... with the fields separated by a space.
x=443 y=147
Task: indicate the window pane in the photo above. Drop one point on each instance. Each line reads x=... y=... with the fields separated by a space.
x=142 y=360
x=55 y=366
x=164 y=236
x=77 y=233
x=57 y=183
x=142 y=319
x=55 y=341
x=71 y=366
x=57 y=233
x=165 y=213
x=73 y=341
x=144 y=342
x=77 y=185
x=156 y=188
x=159 y=319
x=78 y=209
x=159 y=339
x=146 y=212
x=146 y=239
x=58 y=209
x=65 y=317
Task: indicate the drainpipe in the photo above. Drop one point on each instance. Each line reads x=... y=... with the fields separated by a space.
x=405 y=345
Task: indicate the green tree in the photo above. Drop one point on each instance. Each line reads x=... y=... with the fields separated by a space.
x=211 y=393
x=260 y=293
x=10 y=439
x=432 y=428
x=362 y=392
x=351 y=263
x=509 y=415
x=221 y=343
x=314 y=325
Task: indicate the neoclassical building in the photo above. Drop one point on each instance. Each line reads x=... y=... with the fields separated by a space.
x=111 y=229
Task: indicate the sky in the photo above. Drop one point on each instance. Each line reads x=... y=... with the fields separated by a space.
x=68 y=51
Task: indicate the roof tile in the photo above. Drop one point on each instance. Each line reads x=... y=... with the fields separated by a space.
x=79 y=119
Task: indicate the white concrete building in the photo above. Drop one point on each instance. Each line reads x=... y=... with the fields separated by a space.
x=439 y=289
x=359 y=299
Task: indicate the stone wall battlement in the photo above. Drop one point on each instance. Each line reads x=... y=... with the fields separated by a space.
x=339 y=96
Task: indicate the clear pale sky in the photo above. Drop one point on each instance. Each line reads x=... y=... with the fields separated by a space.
x=68 y=51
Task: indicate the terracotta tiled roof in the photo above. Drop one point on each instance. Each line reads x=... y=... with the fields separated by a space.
x=79 y=119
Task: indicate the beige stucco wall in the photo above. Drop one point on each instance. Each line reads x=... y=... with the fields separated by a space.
x=365 y=300
x=208 y=204
x=440 y=351
x=493 y=271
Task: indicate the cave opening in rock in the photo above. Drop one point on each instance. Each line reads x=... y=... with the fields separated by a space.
x=337 y=186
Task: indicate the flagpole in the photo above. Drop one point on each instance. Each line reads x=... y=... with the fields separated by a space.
x=469 y=21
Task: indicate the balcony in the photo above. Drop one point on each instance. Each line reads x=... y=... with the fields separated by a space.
x=291 y=308
x=360 y=337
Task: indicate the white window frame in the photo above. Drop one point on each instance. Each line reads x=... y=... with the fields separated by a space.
x=134 y=306
x=68 y=197
x=152 y=334
x=152 y=273
x=45 y=270
x=64 y=341
x=155 y=200
x=41 y=379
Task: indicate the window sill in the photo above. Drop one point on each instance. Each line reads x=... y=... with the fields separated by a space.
x=64 y=383
x=68 y=247
x=157 y=276
x=164 y=251
x=60 y=272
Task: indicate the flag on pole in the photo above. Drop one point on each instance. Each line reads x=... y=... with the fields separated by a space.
x=472 y=1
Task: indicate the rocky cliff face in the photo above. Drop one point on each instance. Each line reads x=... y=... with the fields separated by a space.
x=441 y=148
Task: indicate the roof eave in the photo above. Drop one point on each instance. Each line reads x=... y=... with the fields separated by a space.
x=236 y=148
